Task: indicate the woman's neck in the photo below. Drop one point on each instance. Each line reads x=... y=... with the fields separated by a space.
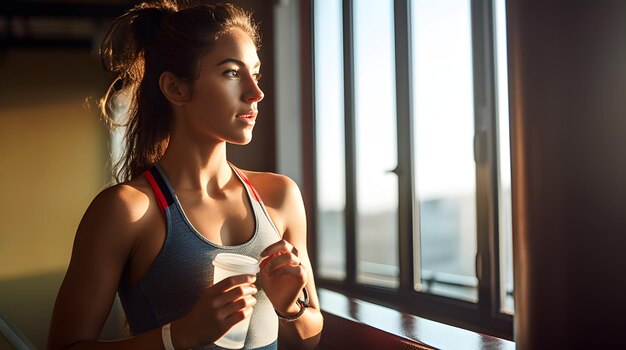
x=197 y=168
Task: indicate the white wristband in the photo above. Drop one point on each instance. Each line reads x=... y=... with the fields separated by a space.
x=166 y=335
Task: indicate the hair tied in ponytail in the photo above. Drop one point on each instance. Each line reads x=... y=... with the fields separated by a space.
x=146 y=23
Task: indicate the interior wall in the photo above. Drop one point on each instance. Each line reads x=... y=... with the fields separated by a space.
x=288 y=89
x=52 y=158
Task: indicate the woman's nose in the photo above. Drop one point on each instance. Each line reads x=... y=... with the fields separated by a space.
x=255 y=94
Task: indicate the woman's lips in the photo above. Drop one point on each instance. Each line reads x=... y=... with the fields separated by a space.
x=250 y=118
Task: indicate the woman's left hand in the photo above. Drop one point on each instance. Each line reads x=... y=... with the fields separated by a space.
x=283 y=277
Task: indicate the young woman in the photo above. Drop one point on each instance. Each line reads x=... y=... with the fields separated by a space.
x=192 y=78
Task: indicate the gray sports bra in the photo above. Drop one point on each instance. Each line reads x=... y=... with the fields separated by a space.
x=183 y=268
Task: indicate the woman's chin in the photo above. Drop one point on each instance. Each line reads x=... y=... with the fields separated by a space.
x=241 y=141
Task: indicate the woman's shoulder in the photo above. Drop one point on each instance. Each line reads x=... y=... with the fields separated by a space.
x=116 y=219
x=129 y=193
x=276 y=190
x=269 y=178
x=125 y=202
x=283 y=199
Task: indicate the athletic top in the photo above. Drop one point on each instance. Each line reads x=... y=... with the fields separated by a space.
x=183 y=268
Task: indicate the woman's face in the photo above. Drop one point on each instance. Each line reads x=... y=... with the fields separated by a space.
x=225 y=96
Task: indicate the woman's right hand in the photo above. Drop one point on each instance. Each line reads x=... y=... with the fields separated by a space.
x=220 y=307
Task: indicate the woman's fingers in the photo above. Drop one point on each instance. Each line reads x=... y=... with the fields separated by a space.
x=230 y=300
x=238 y=316
x=278 y=248
x=235 y=293
x=230 y=282
x=280 y=255
x=237 y=306
x=221 y=306
x=280 y=261
x=229 y=290
x=231 y=313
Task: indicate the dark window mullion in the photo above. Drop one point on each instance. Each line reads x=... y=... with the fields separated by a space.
x=486 y=157
x=404 y=171
x=350 y=149
x=309 y=132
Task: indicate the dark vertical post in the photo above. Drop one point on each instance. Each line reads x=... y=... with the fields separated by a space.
x=567 y=76
x=404 y=171
x=349 y=115
x=307 y=97
x=486 y=156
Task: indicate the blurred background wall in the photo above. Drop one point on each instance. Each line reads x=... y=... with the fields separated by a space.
x=52 y=153
x=54 y=148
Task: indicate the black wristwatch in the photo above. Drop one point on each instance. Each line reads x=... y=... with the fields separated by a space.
x=303 y=305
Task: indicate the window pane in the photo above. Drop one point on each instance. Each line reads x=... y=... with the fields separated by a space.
x=376 y=145
x=504 y=153
x=329 y=143
x=445 y=178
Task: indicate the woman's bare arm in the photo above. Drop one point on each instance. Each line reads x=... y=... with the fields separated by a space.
x=287 y=207
x=105 y=241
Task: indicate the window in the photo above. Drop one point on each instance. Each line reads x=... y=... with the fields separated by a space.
x=443 y=153
x=330 y=143
x=412 y=157
x=504 y=157
x=375 y=143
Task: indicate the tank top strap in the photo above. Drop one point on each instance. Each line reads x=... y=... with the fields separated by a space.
x=164 y=196
x=259 y=205
x=247 y=182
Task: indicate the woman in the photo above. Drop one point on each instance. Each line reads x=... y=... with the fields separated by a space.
x=192 y=78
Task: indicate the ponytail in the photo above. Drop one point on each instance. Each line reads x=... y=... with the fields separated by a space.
x=122 y=54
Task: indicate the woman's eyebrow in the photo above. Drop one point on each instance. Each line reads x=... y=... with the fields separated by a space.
x=238 y=62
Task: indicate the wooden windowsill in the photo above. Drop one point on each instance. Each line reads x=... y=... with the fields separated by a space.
x=353 y=323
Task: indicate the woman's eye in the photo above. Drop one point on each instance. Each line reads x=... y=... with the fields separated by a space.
x=257 y=77
x=231 y=73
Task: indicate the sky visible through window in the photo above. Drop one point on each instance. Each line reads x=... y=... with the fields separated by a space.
x=378 y=81
x=443 y=134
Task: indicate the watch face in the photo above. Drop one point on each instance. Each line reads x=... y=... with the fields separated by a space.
x=305 y=302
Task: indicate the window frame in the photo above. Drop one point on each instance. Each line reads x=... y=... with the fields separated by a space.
x=485 y=315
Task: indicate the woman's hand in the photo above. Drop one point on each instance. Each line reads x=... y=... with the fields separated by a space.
x=283 y=277
x=220 y=307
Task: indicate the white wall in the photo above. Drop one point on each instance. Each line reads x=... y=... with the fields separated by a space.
x=287 y=66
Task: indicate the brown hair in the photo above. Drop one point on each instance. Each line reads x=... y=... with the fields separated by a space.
x=151 y=38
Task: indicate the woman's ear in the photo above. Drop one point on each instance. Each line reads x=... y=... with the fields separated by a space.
x=175 y=89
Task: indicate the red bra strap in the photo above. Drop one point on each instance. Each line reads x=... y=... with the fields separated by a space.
x=248 y=183
x=161 y=192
